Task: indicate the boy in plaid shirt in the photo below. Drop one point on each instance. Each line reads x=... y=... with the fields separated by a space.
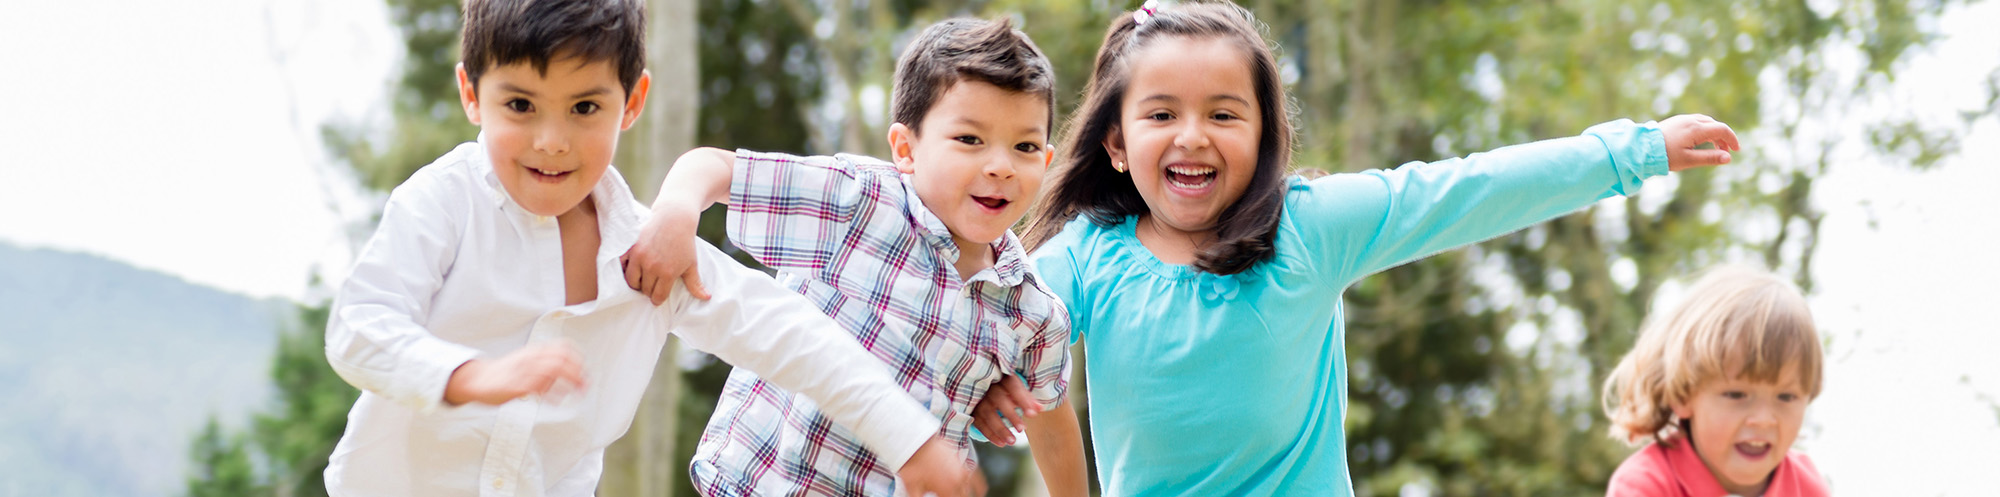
x=915 y=258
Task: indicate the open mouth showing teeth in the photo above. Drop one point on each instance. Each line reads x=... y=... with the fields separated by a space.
x=991 y=202
x=1190 y=177
x=548 y=172
x=1753 y=449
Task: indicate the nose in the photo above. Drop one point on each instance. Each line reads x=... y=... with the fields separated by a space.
x=552 y=139
x=999 y=166
x=1193 y=135
x=1763 y=416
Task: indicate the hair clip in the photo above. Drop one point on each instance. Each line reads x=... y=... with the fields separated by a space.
x=1146 y=12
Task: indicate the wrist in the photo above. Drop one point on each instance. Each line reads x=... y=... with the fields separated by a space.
x=459 y=389
x=678 y=205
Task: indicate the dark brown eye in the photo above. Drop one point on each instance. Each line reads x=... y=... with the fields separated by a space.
x=519 y=105
x=585 y=108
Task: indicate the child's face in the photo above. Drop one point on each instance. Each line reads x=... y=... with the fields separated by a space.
x=979 y=160
x=551 y=136
x=1742 y=429
x=1188 y=130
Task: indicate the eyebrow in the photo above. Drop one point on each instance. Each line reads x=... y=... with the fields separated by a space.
x=509 y=87
x=1171 y=98
x=1034 y=128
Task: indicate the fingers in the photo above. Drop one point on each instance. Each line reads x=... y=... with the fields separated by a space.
x=558 y=362
x=1019 y=392
x=1010 y=412
x=633 y=272
x=987 y=420
x=657 y=289
x=1707 y=157
x=1718 y=132
x=984 y=424
x=692 y=279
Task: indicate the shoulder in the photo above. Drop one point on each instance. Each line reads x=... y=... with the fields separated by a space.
x=1078 y=236
x=455 y=170
x=843 y=179
x=850 y=165
x=1334 y=190
x=1645 y=473
x=1802 y=473
x=452 y=183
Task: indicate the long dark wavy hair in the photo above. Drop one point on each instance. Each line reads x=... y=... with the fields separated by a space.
x=1083 y=182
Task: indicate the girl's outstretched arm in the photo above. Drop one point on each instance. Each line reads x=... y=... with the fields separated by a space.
x=1359 y=224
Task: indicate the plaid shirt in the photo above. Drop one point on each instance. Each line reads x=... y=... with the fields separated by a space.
x=849 y=233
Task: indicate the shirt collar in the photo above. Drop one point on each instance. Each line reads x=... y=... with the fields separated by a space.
x=617 y=218
x=1010 y=262
x=1689 y=470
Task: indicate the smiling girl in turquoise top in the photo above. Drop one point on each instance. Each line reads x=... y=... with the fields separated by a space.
x=1205 y=281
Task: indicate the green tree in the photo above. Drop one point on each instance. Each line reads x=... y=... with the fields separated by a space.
x=284 y=453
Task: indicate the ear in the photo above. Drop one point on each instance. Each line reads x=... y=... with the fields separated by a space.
x=468 y=97
x=1681 y=411
x=1048 y=154
x=901 y=140
x=636 y=102
x=1114 y=144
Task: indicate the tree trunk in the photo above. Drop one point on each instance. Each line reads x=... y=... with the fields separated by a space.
x=642 y=463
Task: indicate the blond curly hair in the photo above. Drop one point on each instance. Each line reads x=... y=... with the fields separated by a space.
x=1734 y=321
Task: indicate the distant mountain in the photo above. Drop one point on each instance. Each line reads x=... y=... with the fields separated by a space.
x=108 y=370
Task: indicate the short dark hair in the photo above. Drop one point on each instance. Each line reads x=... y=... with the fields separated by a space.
x=962 y=49
x=1084 y=183
x=502 y=32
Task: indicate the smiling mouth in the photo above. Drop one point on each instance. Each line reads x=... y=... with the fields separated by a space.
x=1753 y=450
x=546 y=174
x=995 y=203
x=1191 y=177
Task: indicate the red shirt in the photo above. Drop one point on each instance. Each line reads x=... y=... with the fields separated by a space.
x=1676 y=471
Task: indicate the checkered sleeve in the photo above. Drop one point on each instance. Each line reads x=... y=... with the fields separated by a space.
x=800 y=212
x=1045 y=364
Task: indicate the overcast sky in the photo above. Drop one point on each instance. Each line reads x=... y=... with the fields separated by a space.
x=183 y=138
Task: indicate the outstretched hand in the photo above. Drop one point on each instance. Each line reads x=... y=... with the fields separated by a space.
x=1686 y=135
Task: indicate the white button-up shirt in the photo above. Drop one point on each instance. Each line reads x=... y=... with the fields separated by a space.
x=457 y=270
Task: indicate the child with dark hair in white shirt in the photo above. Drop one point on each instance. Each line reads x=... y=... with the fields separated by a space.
x=487 y=322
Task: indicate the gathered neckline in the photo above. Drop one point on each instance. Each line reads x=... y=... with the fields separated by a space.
x=1126 y=235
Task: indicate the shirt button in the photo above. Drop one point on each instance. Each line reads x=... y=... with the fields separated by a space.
x=497 y=483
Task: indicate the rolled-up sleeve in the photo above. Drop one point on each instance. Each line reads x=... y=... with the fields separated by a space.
x=376 y=337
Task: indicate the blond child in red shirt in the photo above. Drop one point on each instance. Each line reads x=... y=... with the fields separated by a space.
x=1716 y=389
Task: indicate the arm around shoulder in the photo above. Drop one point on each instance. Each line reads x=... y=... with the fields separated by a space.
x=754 y=323
x=698 y=179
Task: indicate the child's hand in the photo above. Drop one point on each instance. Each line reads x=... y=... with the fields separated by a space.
x=1686 y=133
x=1008 y=399
x=936 y=470
x=533 y=370
x=665 y=252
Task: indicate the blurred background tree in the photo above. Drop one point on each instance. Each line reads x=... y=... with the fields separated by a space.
x=1473 y=372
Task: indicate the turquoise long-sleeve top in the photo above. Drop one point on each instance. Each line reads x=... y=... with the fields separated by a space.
x=1237 y=385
